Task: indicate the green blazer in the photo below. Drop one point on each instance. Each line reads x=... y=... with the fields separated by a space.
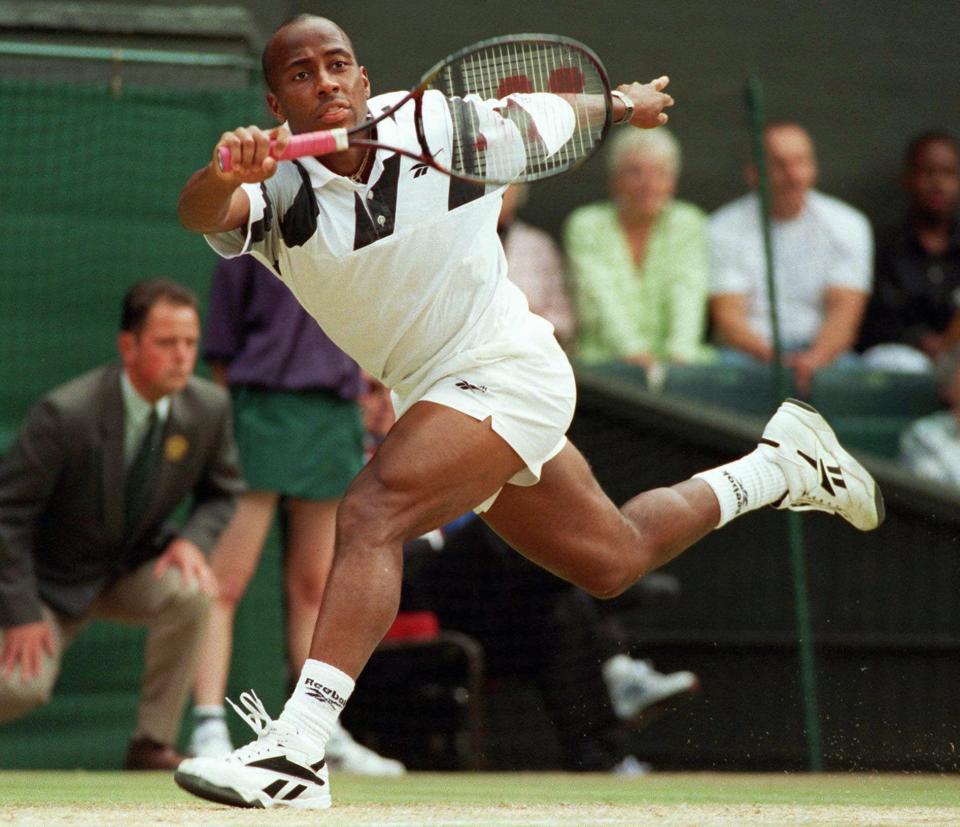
x=62 y=533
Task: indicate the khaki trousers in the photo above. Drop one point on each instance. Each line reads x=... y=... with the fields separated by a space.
x=175 y=617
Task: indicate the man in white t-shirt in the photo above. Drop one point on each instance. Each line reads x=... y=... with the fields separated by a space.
x=822 y=255
x=403 y=269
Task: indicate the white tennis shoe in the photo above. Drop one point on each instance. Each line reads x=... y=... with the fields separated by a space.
x=821 y=475
x=282 y=768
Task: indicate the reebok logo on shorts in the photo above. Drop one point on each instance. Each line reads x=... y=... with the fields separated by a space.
x=464 y=385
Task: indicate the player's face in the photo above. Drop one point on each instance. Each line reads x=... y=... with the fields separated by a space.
x=933 y=180
x=159 y=359
x=643 y=184
x=792 y=166
x=317 y=81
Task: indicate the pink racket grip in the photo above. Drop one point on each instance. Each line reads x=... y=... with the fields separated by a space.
x=308 y=143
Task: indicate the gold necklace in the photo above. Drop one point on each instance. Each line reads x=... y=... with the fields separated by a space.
x=357 y=176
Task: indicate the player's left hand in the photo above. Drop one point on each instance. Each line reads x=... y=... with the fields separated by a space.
x=184 y=555
x=649 y=101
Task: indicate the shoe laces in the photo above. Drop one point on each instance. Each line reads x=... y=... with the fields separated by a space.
x=271 y=733
x=256 y=715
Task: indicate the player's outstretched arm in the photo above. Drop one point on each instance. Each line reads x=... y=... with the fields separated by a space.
x=649 y=101
x=212 y=200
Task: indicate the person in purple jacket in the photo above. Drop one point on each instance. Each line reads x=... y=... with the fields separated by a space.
x=300 y=436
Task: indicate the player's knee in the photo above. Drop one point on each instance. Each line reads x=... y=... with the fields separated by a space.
x=363 y=520
x=606 y=588
x=610 y=580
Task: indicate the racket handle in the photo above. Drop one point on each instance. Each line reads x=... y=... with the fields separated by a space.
x=323 y=142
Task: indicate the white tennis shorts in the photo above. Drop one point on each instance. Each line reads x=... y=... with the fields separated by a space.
x=523 y=383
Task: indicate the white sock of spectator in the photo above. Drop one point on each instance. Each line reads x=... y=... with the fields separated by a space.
x=210 y=737
x=317 y=700
x=744 y=485
x=203 y=711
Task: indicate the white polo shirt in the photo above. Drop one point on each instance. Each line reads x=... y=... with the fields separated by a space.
x=830 y=244
x=405 y=272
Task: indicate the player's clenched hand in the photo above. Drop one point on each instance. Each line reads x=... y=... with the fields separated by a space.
x=649 y=101
x=184 y=555
x=25 y=645
x=253 y=153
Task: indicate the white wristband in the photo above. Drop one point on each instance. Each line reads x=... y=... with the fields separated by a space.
x=627 y=105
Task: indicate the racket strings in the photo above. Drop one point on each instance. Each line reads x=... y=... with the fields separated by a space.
x=526 y=142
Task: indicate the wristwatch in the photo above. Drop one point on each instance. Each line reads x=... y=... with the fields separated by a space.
x=627 y=105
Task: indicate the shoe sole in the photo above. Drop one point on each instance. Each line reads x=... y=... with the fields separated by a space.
x=202 y=788
x=851 y=466
x=211 y=792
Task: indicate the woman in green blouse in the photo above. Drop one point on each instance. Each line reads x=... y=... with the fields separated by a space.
x=638 y=262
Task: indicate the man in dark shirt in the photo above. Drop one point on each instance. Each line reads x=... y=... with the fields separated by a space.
x=917 y=284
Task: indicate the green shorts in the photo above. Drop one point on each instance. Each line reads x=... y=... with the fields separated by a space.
x=304 y=444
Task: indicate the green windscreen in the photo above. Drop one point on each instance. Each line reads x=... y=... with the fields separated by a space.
x=88 y=199
x=88 y=191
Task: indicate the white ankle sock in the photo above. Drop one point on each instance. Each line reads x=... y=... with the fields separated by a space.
x=317 y=700
x=745 y=484
x=210 y=737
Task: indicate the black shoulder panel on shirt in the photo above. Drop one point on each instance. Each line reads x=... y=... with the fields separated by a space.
x=299 y=223
x=382 y=206
x=463 y=192
x=258 y=229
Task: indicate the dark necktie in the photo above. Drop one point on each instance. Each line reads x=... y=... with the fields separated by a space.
x=140 y=472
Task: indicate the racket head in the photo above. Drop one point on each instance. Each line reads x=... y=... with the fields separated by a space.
x=554 y=108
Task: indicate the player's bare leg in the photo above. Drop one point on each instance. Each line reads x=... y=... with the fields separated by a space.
x=568 y=525
x=434 y=465
x=309 y=545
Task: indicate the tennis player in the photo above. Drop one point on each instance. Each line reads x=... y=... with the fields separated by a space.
x=402 y=267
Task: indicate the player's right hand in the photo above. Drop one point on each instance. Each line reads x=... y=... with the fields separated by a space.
x=25 y=645
x=253 y=153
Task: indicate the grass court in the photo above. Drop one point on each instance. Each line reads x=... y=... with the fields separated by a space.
x=49 y=799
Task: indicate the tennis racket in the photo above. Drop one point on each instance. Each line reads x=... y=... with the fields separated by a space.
x=518 y=108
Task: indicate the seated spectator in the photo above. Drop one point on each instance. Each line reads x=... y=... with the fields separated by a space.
x=534 y=625
x=930 y=447
x=822 y=257
x=535 y=265
x=638 y=262
x=300 y=439
x=916 y=291
x=85 y=494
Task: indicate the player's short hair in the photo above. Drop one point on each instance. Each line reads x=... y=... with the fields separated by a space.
x=929 y=137
x=142 y=296
x=658 y=143
x=266 y=56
